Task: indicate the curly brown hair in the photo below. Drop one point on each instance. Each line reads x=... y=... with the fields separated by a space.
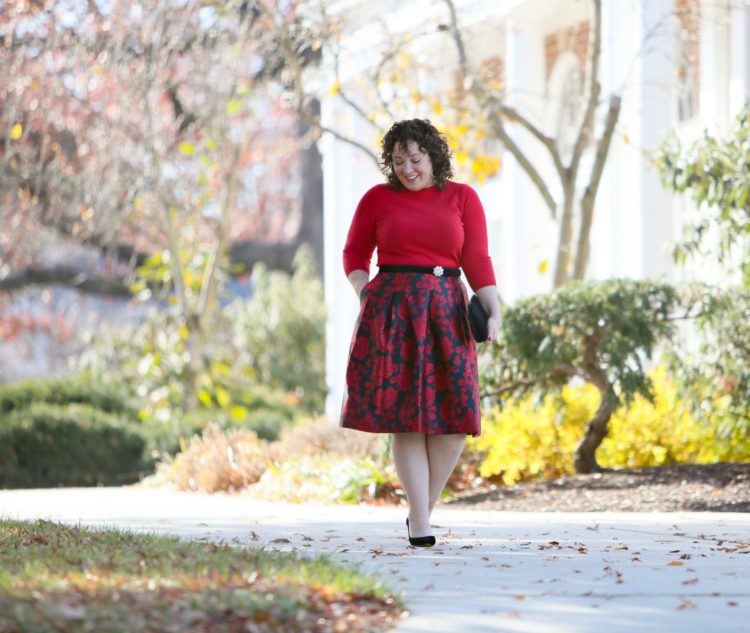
x=429 y=140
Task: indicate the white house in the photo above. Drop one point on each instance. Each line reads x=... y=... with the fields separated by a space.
x=678 y=64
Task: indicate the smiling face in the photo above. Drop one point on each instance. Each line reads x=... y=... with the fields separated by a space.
x=412 y=166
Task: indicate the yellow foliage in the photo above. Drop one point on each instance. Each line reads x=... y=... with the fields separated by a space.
x=527 y=439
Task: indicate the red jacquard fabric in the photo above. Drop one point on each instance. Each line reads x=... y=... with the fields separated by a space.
x=412 y=363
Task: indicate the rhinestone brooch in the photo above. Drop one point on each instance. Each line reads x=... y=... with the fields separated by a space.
x=437 y=271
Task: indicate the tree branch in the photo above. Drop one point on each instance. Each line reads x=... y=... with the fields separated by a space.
x=497 y=109
x=589 y=195
x=519 y=384
x=301 y=102
x=595 y=49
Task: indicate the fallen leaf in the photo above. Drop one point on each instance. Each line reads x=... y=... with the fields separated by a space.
x=519 y=597
x=692 y=581
x=281 y=540
x=675 y=563
x=685 y=604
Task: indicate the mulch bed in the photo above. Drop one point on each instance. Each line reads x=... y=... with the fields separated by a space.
x=683 y=488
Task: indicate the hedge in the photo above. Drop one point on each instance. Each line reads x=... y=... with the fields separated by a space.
x=68 y=445
x=104 y=395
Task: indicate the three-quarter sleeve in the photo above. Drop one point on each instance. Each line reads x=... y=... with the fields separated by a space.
x=360 y=241
x=475 y=256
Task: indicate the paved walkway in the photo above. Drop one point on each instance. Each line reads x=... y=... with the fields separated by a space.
x=491 y=571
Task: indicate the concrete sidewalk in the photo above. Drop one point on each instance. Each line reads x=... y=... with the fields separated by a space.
x=490 y=571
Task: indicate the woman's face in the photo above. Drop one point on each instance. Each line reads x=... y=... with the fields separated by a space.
x=412 y=167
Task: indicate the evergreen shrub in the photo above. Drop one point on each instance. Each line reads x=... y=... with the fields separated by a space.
x=68 y=445
x=107 y=396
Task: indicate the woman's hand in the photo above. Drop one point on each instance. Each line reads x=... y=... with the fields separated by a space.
x=358 y=279
x=493 y=327
x=488 y=297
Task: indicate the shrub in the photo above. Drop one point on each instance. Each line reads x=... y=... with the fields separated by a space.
x=273 y=341
x=68 y=445
x=280 y=332
x=601 y=332
x=108 y=396
x=529 y=440
x=317 y=461
x=321 y=461
x=267 y=413
x=713 y=359
x=328 y=478
x=218 y=461
x=320 y=436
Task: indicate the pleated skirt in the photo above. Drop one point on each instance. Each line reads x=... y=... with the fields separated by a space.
x=412 y=360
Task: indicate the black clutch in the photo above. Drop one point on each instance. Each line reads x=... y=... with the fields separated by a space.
x=478 y=320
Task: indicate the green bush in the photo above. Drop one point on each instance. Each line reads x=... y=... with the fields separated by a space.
x=273 y=341
x=68 y=445
x=601 y=332
x=106 y=396
x=279 y=335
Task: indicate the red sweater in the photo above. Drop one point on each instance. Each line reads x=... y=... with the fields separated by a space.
x=428 y=227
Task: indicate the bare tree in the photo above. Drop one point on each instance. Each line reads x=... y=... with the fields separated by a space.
x=90 y=102
x=570 y=249
x=159 y=131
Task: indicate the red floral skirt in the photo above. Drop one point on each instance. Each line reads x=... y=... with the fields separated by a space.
x=412 y=362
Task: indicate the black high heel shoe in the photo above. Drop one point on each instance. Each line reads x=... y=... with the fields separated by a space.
x=419 y=541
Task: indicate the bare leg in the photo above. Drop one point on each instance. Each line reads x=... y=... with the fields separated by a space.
x=443 y=452
x=413 y=468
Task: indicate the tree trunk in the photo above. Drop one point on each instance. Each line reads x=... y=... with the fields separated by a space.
x=195 y=363
x=584 y=459
x=589 y=196
x=585 y=455
x=565 y=239
x=311 y=228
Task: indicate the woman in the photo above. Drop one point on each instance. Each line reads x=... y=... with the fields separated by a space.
x=412 y=368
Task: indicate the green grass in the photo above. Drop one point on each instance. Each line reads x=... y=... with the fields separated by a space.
x=61 y=578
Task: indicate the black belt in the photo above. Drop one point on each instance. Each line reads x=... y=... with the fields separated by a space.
x=438 y=271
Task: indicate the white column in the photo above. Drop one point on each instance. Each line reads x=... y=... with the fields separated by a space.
x=528 y=230
x=347 y=173
x=657 y=108
x=616 y=248
x=739 y=60
x=714 y=62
